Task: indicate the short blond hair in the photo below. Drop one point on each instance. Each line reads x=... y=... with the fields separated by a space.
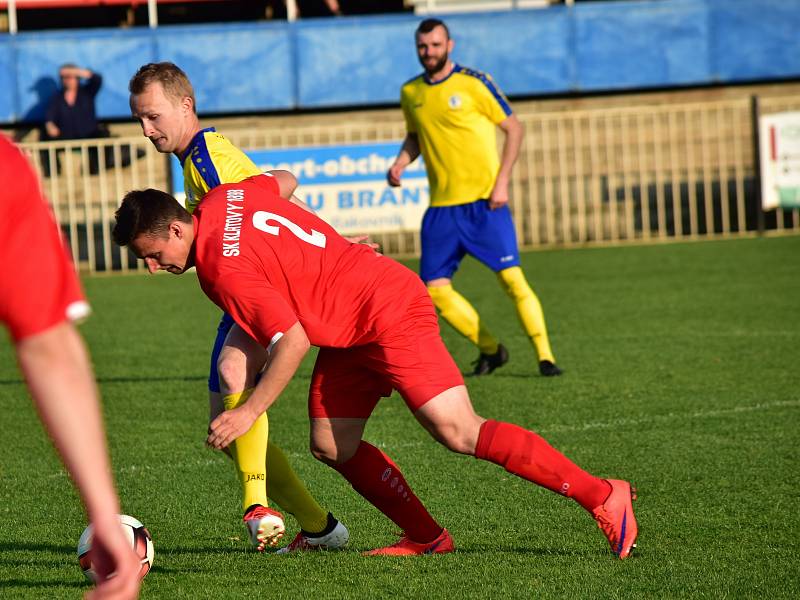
x=174 y=81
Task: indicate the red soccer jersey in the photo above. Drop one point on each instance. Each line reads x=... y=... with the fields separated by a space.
x=269 y=263
x=39 y=288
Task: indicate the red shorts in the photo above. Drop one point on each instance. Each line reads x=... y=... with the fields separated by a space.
x=409 y=357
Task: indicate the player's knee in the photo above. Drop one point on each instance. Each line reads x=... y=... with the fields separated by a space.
x=232 y=369
x=321 y=455
x=329 y=456
x=456 y=437
x=514 y=283
x=329 y=451
x=324 y=452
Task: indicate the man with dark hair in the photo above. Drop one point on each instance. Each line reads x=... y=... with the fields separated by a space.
x=451 y=115
x=291 y=281
x=162 y=99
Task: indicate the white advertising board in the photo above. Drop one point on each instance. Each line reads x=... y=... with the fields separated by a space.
x=779 y=136
x=346 y=185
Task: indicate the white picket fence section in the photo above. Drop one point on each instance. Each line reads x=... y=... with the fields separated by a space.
x=610 y=175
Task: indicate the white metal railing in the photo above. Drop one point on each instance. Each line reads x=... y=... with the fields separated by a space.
x=152 y=13
x=424 y=7
x=643 y=174
x=85 y=181
x=639 y=174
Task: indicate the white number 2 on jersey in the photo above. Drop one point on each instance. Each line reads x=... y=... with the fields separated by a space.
x=262 y=218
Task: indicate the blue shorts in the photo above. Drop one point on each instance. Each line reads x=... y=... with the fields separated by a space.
x=225 y=324
x=450 y=232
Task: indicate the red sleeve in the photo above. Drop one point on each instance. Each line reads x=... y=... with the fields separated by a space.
x=39 y=288
x=254 y=304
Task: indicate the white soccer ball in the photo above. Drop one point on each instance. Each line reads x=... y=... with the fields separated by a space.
x=137 y=535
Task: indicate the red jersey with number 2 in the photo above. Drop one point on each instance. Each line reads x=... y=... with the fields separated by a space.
x=269 y=264
x=39 y=288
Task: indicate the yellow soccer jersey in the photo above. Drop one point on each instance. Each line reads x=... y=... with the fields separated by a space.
x=212 y=160
x=455 y=121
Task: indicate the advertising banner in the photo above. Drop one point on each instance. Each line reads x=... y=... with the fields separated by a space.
x=346 y=185
x=779 y=136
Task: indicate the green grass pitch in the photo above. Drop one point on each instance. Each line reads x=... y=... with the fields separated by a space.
x=682 y=374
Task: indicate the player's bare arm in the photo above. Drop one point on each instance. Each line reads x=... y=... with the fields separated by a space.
x=287 y=183
x=409 y=152
x=52 y=129
x=285 y=358
x=513 y=131
x=67 y=401
x=79 y=72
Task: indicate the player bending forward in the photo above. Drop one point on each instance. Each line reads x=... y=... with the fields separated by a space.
x=163 y=101
x=291 y=281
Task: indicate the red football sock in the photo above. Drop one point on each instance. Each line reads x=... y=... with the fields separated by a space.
x=373 y=475
x=529 y=456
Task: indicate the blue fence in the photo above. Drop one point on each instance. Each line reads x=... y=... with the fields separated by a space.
x=361 y=61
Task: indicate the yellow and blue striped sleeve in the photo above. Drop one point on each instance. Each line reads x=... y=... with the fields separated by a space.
x=211 y=161
x=490 y=100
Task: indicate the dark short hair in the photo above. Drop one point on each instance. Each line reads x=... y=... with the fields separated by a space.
x=429 y=25
x=146 y=212
x=175 y=82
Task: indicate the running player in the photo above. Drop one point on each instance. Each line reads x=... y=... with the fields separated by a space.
x=39 y=298
x=451 y=114
x=291 y=281
x=162 y=99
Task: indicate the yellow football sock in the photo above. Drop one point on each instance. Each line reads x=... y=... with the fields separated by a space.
x=529 y=310
x=286 y=489
x=249 y=454
x=456 y=310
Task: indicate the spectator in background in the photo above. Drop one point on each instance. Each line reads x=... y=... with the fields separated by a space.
x=70 y=114
x=39 y=297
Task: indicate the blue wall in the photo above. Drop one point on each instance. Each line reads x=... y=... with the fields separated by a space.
x=362 y=61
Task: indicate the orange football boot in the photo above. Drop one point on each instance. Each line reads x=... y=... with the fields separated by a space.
x=405 y=547
x=615 y=518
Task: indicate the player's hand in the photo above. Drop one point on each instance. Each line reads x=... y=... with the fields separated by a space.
x=112 y=554
x=499 y=197
x=393 y=175
x=230 y=425
x=363 y=239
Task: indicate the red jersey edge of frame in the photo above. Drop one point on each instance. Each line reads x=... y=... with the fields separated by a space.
x=41 y=289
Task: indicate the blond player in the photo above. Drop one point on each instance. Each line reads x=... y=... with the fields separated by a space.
x=162 y=100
